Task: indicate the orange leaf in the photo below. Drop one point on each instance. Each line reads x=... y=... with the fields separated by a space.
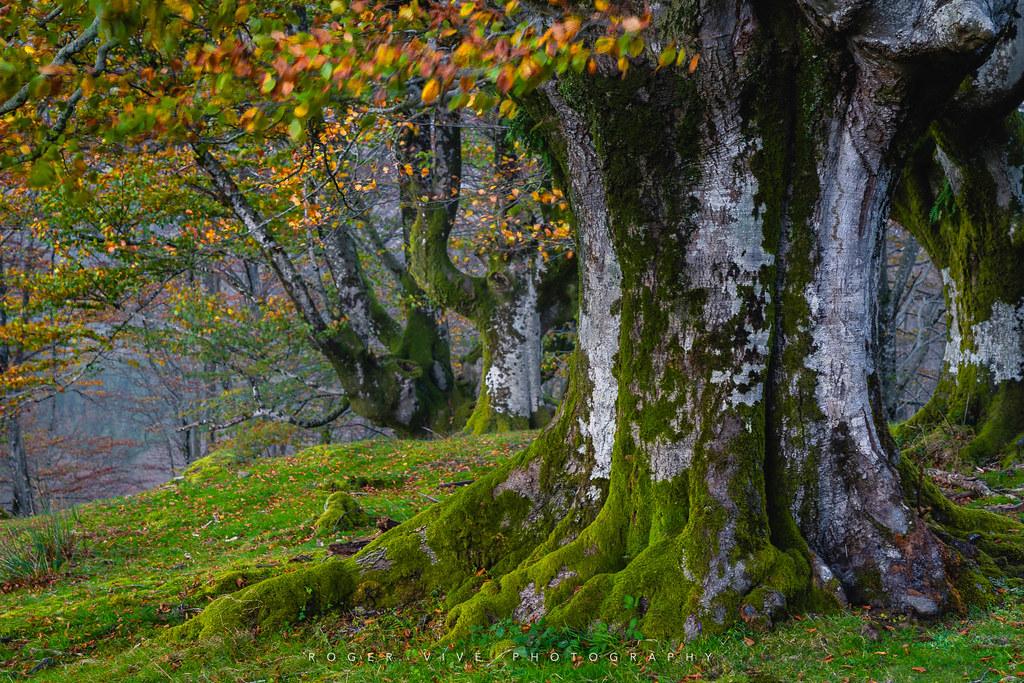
x=431 y=91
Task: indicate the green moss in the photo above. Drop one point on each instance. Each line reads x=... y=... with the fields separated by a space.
x=213 y=466
x=341 y=513
x=232 y=580
x=274 y=603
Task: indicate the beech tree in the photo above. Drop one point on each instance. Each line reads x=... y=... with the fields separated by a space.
x=721 y=452
x=396 y=374
x=508 y=303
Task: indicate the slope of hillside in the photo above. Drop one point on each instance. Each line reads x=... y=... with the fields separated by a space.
x=152 y=561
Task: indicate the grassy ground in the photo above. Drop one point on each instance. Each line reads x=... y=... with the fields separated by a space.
x=153 y=560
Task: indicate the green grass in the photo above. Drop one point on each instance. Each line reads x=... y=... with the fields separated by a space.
x=151 y=561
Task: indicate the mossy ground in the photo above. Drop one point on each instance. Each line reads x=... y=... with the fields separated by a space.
x=156 y=558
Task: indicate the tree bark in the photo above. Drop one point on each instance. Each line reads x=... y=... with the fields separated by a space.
x=23 y=500
x=721 y=455
x=961 y=196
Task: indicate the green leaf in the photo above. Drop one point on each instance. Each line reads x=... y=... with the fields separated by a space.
x=41 y=174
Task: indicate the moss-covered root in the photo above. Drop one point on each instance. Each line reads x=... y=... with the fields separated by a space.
x=275 y=602
x=485 y=530
x=670 y=588
x=994 y=542
x=980 y=420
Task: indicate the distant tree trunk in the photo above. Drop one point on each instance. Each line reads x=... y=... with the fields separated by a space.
x=962 y=198
x=721 y=455
x=896 y=372
x=24 y=501
x=503 y=305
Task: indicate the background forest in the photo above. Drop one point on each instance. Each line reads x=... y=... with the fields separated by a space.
x=512 y=327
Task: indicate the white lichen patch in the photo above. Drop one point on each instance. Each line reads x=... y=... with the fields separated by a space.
x=727 y=257
x=669 y=459
x=513 y=379
x=995 y=344
x=531 y=601
x=424 y=546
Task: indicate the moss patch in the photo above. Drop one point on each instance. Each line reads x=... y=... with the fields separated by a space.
x=341 y=513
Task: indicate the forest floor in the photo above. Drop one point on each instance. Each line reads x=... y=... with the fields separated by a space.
x=151 y=561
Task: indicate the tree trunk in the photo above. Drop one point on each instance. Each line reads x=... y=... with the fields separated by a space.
x=503 y=305
x=23 y=502
x=720 y=456
x=510 y=339
x=962 y=198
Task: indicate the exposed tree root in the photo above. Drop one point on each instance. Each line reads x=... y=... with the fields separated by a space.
x=992 y=541
x=575 y=568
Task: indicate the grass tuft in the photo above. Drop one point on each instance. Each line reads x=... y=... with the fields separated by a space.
x=40 y=550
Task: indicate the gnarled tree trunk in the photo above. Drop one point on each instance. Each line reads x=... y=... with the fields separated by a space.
x=503 y=304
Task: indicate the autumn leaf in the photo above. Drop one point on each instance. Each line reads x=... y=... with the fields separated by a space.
x=633 y=24
x=431 y=91
x=667 y=56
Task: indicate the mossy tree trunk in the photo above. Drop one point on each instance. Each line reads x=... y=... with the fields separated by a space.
x=396 y=374
x=962 y=199
x=503 y=304
x=721 y=455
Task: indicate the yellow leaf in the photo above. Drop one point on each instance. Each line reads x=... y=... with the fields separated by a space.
x=431 y=91
x=604 y=45
x=667 y=56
